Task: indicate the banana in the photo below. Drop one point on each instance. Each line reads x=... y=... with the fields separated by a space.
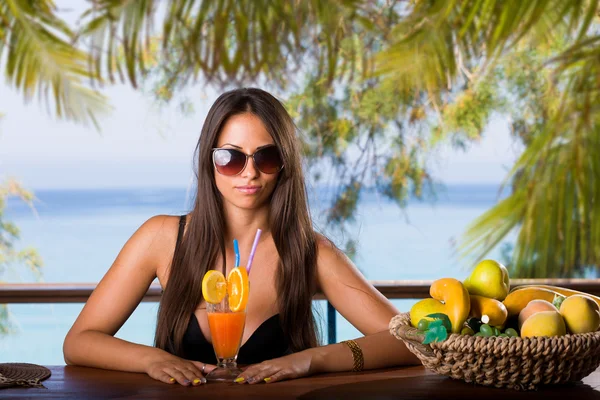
x=564 y=291
x=489 y=311
x=518 y=299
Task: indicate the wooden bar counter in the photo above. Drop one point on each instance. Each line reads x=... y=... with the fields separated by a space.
x=69 y=382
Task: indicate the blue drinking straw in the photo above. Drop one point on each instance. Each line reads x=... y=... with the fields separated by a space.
x=258 y=232
x=236 y=249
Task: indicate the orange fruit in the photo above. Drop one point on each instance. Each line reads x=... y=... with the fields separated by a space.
x=238 y=288
x=214 y=287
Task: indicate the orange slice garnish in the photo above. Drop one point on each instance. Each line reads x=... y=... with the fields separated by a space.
x=238 y=288
x=214 y=287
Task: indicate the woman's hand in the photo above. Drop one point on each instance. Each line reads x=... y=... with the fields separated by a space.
x=171 y=369
x=293 y=366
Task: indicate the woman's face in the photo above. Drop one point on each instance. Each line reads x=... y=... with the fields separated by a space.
x=250 y=188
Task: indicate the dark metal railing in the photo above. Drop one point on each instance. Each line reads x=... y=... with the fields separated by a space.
x=11 y=293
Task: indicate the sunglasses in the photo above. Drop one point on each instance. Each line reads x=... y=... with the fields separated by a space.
x=231 y=162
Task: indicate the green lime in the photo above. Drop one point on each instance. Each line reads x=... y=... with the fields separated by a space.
x=486 y=330
x=479 y=334
x=511 y=332
x=467 y=331
x=496 y=331
x=423 y=324
x=503 y=335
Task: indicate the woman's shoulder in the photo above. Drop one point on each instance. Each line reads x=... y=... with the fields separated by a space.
x=326 y=248
x=160 y=233
x=160 y=225
x=155 y=240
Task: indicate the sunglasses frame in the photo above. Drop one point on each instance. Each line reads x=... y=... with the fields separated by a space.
x=214 y=149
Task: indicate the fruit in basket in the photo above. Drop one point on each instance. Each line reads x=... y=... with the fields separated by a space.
x=581 y=314
x=455 y=298
x=511 y=332
x=474 y=324
x=449 y=297
x=489 y=279
x=489 y=311
x=534 y=306
x=423 y=308
x=486 y=330
x=467 y=331
x=544 y=323
x=563 y=291
x=517 y=300
x=423 y=324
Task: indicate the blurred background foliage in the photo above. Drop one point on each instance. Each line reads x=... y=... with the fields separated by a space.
x=374 y=86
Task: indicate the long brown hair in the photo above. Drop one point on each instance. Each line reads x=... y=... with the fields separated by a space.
x=289 y=221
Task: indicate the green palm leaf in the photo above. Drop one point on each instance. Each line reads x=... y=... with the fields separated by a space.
x=437 y=38
x=554 y=202
x=38 y=57
x=223 y=41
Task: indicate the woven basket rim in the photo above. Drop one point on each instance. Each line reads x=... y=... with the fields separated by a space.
x=519 y=344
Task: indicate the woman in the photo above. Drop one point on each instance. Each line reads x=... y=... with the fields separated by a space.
x=249 y=176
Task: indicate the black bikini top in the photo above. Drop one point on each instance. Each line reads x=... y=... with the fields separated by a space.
x=267 y=342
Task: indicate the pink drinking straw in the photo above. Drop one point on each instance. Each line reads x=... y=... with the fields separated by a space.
x=258 y=232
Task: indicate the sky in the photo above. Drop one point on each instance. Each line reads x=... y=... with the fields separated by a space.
x=143 y=145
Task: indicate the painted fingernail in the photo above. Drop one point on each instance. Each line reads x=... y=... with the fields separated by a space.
x=267 y=380
x=196 y=381
x=203 y=380
x=172 y=380
x=186 y=382
x=239 y=380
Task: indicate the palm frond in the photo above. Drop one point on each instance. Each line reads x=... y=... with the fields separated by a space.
x=38 y=57
x=439 y=37
x=555 y=195
x=222 y=41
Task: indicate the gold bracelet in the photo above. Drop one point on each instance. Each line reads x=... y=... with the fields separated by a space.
x=357 y=355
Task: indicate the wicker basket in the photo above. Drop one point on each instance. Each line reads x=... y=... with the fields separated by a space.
x=514 y=363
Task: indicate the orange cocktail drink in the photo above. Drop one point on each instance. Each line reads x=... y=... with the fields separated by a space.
x=226 y=301
x=226 y=330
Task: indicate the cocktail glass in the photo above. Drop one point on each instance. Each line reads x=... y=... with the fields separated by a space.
x=226 y=329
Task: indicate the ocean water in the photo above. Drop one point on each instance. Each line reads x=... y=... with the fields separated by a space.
x=78 y=233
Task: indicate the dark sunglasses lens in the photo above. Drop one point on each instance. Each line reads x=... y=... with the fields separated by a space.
x=229 y=162
x=268 y=160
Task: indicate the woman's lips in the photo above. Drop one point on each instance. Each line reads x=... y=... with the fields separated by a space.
x=248 y=189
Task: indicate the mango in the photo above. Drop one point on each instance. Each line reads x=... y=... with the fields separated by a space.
x=455 y=298
x=449 y=297
x=564 y=291
x=544 y=323
x=534 y=306
x=517 y=300
x=581 y=314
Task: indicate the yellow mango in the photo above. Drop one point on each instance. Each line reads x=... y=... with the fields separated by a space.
x=544 y=323
x=449 y=297
x=517 y=300
x=564 y=291
x=455 y=297
x=534 y=306
x=581 y=314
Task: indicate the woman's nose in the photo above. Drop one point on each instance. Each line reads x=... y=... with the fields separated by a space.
x=250 y=171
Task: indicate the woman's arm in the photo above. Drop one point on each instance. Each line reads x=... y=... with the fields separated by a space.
x=363 y=306
x=91 y=342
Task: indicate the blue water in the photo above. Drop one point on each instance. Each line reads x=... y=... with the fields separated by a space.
x=79 y=233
